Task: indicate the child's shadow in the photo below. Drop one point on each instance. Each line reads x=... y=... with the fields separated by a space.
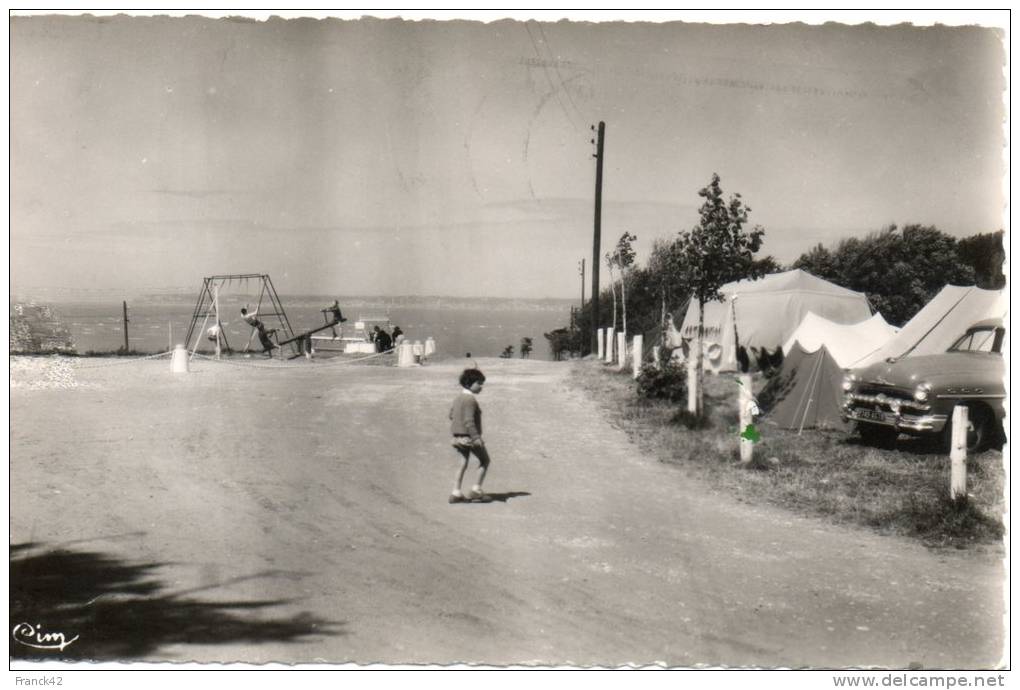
x=506 y=496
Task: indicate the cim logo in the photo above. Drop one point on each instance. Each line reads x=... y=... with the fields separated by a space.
x=33 y=636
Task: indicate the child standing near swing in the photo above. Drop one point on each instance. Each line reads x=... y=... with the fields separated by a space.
x=466 y=426
x=251 y=320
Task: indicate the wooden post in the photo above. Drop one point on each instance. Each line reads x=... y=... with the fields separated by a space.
x=637 y=347
x=692 y=384
x=746 y=419
x=600 y=343
x=958 y=454
x=621 y=350
x=126 y=348
x=609 y=345
x=595 y=253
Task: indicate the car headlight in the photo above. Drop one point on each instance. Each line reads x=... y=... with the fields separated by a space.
x=848 y=382
x=922 y=392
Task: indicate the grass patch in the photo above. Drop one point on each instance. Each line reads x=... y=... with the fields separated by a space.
x=828 y=474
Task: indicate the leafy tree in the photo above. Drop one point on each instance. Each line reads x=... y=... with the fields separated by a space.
x=820 y=262
x=623 y=257
x=766 y=266
x=610 y=263
x=563 y=340
x=525 y=348
x=665 y=266
x=985 y=254
x=899 y=271
x=716 y=251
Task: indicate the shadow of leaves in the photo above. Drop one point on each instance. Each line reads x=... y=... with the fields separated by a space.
x=121 y=611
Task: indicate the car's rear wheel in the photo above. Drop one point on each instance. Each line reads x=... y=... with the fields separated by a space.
x=877 y=435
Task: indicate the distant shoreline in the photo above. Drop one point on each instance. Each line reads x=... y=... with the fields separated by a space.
x=61 y=296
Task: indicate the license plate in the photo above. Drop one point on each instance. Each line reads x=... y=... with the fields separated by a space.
x=874 y=415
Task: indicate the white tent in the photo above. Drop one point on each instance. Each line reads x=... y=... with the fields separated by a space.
x=765 y=312
x=943 y=320
x=850 y=345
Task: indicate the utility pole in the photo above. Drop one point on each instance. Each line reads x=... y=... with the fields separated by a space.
x=598 y=235
x=126 y=349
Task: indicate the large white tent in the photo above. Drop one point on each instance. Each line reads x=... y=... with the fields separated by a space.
x=943 y=320
x=765 y=313
x=849 y=345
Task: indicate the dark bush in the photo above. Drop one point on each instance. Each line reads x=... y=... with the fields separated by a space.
x=691 y=420
x=668 y=382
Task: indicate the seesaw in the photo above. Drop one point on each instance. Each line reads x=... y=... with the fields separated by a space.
x=304 y=340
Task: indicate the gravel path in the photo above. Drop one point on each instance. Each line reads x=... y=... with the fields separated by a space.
x=298 y=513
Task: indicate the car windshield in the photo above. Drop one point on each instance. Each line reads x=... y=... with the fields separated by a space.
x=982 y=340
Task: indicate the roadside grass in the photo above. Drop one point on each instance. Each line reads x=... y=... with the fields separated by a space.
x=828 y=474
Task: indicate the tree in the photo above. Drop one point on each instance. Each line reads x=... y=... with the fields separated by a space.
x=610 y=262
x=526 y=344
x=985 y=255
x=766 y=265
x=624 y=259
x=665 y=266
x=899 y=270
x=715 y=252
x=564 y=340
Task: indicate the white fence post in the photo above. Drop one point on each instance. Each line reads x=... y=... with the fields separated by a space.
x=656 y=356
x=958 y=454
x=746 y=419
x=609 y=345
x=637 y=347
x=601 y=344
x=621 y=350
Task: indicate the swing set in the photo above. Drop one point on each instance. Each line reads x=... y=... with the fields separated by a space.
x=208 y=306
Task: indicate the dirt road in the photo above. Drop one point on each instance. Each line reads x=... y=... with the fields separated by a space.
x=299 y=515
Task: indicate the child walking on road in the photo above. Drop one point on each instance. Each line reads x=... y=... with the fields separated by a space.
x=466 y=425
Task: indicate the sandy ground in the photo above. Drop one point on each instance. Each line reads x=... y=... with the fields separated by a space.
x=298 y=513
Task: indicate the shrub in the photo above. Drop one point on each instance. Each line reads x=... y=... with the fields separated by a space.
x=668 y=382
x=691 y=420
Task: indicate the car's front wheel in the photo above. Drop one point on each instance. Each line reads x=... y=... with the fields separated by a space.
x=877 y=435
x=982 y=430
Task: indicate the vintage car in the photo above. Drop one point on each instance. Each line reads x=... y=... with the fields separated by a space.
x=916 y=395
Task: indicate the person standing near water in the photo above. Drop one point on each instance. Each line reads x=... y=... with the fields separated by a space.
x=466 y=426
x=338 y=316
x=382 y=340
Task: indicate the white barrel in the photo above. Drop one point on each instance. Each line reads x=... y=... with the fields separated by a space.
x=430 y=346
x=405 y=354
x=179 y=360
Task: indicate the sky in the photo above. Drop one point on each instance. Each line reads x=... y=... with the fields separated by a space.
x=396 y=157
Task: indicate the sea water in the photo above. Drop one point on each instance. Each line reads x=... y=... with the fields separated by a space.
x=483 y=327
